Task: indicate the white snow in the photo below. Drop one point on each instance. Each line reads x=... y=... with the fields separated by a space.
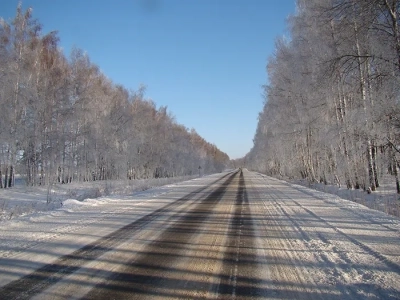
x=38 y=237
x=32 y=240
x=384 y=199
x=23 y=200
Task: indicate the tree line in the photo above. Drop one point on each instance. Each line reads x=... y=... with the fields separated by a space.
x=63 y=120
x=332 y=110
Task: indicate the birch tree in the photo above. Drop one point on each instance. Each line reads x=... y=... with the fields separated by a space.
x=62 y=120
x=332 y=99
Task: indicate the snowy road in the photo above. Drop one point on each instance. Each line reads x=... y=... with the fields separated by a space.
x=227 y=236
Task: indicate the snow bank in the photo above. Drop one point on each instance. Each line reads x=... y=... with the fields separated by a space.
x=22 y=200
x=384 y=199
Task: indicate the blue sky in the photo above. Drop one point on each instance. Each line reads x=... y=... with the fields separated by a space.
x=204 y=59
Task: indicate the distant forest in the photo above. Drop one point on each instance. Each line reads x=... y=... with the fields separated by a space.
x=62 y=120
x=332 y=102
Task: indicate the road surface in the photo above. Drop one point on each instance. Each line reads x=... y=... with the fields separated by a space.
x=235 y=235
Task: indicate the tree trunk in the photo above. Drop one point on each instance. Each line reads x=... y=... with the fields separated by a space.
x=374 y=153
x=6 y=177
x=11 y=177
x=396 y=174
x=363 y=88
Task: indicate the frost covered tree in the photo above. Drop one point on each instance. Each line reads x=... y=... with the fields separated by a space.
x=63 y=120
x=331 y=105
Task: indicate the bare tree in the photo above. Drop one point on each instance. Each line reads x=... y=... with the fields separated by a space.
x=331 y=100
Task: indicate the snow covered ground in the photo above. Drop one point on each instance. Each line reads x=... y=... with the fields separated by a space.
x=308 y=243
x=23 y=200
x=351 y=250
x=384 y=199
x=31 y=240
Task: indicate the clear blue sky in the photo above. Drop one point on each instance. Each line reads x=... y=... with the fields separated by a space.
x=204 y=59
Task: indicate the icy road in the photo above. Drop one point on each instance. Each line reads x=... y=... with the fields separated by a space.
x=235 y=235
